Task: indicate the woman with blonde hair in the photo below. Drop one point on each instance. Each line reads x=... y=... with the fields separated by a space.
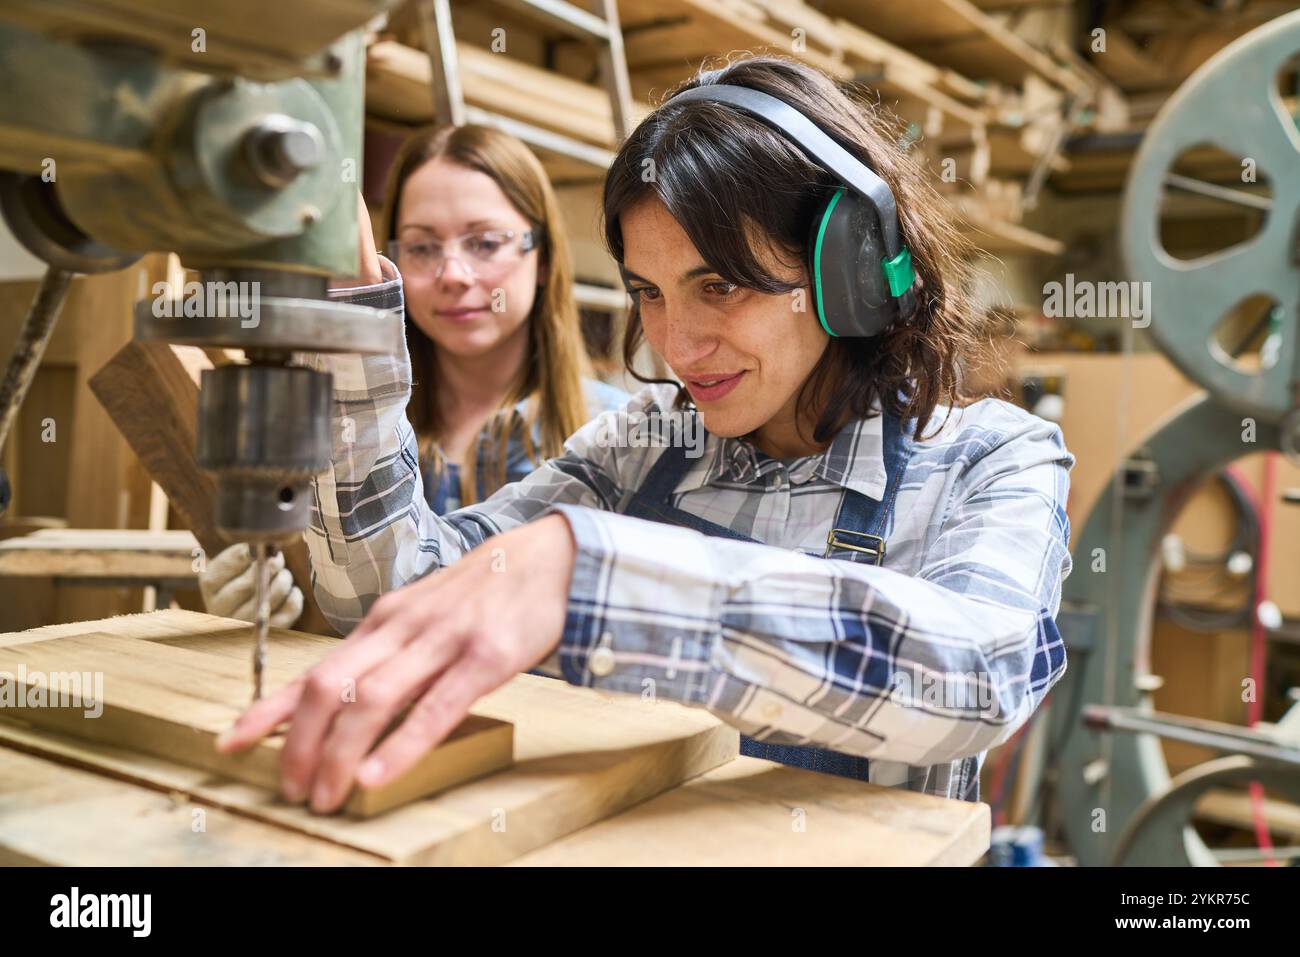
x=496 y=352
x=497 y=358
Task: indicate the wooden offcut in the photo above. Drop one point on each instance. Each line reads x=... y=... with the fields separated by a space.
x=99 y=553
x=173 y=702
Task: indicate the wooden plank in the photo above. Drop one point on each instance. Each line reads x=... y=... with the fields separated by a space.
x=580 y=755
x=510 y=86
x=997 y=199
x=148 y=627
x=902 y=71
x=101 y=553
x=1004 y=5
x=172 y=702
x=818 y=30
x=153 y=400
x=682 y=33
x=1236 y=809
x=969 y=166
x=388 y=136
x=54 y=815
x=399 y=87
x=955 y=34
x=751 y=812
x=163 y=541
x=105 y=488
x=1108 y=170
x=1175 y=17
x=270 y=41
x=152 y=396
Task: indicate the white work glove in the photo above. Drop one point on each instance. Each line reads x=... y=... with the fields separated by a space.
x=229 y=587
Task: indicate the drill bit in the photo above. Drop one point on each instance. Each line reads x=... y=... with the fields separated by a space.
x=262 y=620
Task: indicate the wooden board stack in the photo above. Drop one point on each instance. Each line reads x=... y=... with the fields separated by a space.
x=985 y=108
x=171 y=680
x=399 y=87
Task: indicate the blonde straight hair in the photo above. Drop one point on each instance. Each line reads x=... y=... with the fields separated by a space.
x=550 y=380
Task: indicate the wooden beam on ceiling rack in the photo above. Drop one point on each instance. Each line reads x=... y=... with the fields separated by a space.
x=956 y=34
x=399 y=88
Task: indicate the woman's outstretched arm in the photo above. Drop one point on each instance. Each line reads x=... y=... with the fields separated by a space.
x=372 y=530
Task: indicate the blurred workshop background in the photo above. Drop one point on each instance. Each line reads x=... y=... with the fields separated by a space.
x=1183 y=612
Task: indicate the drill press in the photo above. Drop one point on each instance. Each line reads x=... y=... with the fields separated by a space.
x=233 y=138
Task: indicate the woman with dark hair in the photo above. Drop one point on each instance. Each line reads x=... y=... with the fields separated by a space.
x=860 y=570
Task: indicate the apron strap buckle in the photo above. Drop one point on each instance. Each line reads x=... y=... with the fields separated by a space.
x=874 y=545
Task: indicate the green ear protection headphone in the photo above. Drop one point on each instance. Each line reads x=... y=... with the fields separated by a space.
x=861 y=272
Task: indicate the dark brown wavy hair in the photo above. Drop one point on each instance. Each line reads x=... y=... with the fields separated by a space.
x=731 y=181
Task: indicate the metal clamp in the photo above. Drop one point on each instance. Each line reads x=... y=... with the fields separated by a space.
x=877 y=551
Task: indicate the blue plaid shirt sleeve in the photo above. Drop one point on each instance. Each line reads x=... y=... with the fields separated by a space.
x=919 y=669
x=372 y=529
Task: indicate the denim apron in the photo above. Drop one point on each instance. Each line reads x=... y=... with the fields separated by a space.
x=857 y=535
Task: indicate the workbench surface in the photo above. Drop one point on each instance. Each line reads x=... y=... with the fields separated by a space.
x=598 y=780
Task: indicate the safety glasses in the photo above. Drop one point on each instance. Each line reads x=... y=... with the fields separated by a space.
x=485 y=253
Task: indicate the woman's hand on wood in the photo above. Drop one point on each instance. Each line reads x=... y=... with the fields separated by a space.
x=437 y=645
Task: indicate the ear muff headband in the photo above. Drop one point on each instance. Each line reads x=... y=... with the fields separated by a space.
x=861 y=305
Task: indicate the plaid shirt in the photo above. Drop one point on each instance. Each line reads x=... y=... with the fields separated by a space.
x=920 y=665
x=442 y=486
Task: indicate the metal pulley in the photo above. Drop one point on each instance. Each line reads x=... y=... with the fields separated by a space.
x=1231 y=102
